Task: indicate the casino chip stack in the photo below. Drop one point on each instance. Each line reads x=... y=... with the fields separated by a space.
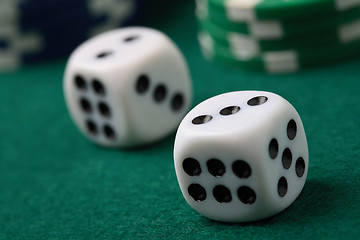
x=40 y=30
x=279 y=36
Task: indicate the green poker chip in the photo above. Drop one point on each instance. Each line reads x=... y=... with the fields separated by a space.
x=283 y=30
x=245 y=10
x=279 y=36
x=236 y=40
x=284 y=61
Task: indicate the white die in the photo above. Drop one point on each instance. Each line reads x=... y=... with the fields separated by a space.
x=241 y=156
x=127 y=87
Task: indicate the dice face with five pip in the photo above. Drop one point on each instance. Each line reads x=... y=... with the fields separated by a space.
x=241 y=156
x=127 y=87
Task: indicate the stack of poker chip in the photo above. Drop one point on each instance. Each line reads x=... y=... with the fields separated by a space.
x=278 y=36
x=41 y=30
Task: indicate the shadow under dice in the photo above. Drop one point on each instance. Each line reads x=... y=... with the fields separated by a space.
x=127 y=87
x=241 y=156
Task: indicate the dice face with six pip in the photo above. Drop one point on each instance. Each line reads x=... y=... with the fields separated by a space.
x=241 y=156
x=127 y=87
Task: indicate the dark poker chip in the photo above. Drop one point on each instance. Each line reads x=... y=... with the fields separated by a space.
x=33 y=32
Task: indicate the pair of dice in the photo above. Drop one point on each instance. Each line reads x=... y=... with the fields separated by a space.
x=239 y=156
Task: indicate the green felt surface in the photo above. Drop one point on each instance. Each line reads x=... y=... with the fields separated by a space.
x=54 y=184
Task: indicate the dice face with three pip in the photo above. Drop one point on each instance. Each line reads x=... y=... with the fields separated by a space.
x=241 y=156
x=127 y=87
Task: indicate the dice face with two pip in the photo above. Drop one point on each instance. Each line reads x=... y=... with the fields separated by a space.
x=127 y=87
x=241 y=156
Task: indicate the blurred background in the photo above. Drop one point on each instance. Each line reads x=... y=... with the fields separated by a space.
x=54 y=184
